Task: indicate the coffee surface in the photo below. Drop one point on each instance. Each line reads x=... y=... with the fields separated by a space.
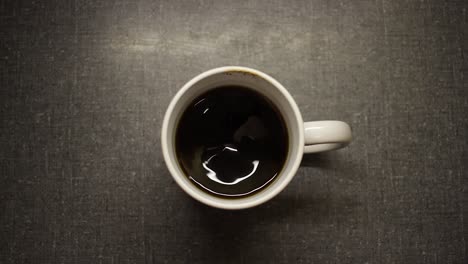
x=231 y=141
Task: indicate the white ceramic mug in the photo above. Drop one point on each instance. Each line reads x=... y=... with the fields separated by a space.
x=309 y=137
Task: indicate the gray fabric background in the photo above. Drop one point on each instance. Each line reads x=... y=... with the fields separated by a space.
x=84 y=86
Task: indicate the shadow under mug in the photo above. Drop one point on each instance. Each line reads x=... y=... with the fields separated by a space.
x=308 y=137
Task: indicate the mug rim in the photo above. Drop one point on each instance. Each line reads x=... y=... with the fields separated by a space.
x=295 y=158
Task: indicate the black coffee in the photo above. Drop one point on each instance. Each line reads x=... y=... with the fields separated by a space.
x=231 y=141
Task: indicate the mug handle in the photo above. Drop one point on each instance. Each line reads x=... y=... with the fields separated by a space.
x=323 y=136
